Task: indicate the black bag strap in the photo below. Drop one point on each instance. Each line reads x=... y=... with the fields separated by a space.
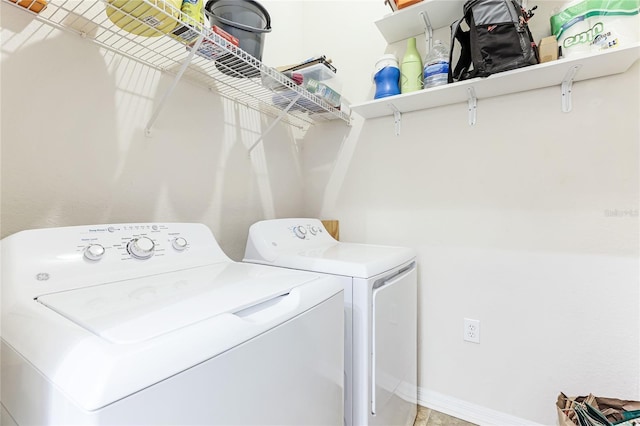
x=534 y=46
x=464 y=61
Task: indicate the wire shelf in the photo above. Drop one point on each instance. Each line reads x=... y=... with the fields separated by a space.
x=217 y=64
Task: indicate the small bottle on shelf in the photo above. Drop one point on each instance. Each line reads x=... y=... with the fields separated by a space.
x=411 y=68
x=387 y=77
x=436 y=65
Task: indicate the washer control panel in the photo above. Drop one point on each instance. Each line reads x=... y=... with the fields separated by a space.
x=307 y=231
x=57 y=259
x=139 y=242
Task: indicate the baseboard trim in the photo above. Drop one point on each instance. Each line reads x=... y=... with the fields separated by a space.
x=467 y=411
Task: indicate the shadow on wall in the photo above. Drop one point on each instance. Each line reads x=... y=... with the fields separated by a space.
x=326 y=161
x=169 y=175
x=195 y=167
x=74 y=150
x=55 y=118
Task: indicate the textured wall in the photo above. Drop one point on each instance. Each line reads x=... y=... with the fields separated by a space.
x=527 y=221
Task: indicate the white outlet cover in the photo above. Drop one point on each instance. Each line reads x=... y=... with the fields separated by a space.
x=471 y=332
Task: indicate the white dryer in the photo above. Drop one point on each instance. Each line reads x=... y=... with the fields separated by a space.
x=380 y=290
x=151 y=324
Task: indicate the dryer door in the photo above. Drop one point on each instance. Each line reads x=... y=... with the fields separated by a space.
x=394 y=345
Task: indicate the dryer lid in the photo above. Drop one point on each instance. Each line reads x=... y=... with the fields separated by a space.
x=348 y=259
x=303 y=243
x=132 y=311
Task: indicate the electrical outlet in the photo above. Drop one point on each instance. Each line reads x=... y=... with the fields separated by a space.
x=471 y=330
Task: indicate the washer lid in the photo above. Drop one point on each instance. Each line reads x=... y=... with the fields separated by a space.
x=133 y=311
x=100 y=344
x=349 y=259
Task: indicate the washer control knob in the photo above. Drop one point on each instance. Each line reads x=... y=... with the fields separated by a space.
x=179 y=243
x=94 y=252
x=300 y=232
x=314 y=230
x=141 y=247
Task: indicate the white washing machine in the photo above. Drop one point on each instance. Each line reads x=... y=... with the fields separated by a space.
x=152 y=324
x=380 y=290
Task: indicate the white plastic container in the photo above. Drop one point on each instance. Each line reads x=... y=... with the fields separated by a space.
x=324 y=84
x=323 y=91
x=321 y=73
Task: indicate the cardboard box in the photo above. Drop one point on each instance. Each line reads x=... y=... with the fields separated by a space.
x=211 y=50
x=405 y=3
x=36 y=6
x=548 y=49
x=333 y=228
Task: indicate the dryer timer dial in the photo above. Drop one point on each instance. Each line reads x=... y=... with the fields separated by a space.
x=300 y=232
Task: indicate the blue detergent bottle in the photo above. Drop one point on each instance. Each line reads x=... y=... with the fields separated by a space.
x=387 y=76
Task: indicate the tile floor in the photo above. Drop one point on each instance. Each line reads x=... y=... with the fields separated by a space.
x=428 y=417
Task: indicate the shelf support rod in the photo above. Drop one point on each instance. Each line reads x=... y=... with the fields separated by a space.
x=276 y=121
x=567 y=86
x=472 y=105
x=428 y=29
x=397 y=118
x=174 y=83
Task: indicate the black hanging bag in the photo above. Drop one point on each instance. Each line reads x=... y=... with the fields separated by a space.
x=498 y=39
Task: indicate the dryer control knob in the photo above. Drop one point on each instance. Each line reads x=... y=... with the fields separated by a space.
x=314 y=230
x=141 y=248
x=300 y=232
x=179 y=243
x=94 y=252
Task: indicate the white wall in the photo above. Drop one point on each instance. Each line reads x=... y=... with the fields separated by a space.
x=515 y=224
x=74 y=150
x=511 y=218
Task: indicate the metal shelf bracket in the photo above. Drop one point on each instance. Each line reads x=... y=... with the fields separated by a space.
x=397 y=118
x=276 y=121
x=567 y=85
x=428 y=30
x=174 y=83
x=472 y=105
